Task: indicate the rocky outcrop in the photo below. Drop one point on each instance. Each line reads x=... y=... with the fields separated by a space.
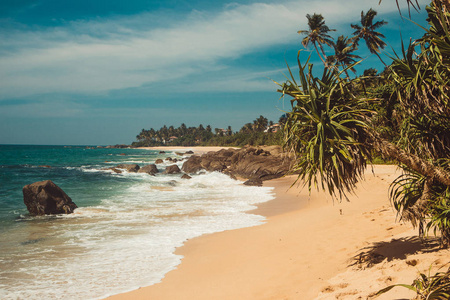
x=193 y=164
x=132 y=168
x=45 y=198
x=254 y=182
x=262 y=163
x=173 y=169
x=149 y=169
x=159 y=161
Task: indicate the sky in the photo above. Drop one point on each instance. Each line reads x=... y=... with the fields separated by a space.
x=97 y=72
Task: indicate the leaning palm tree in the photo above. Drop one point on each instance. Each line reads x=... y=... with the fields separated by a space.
x=332 y=133
x=367 y=31
x=317 y=34
x=343 y=56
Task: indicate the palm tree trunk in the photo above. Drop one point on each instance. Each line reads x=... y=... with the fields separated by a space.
x=318 y=53
x=415 y=163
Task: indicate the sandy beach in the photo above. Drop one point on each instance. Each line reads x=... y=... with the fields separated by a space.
x=311 y=247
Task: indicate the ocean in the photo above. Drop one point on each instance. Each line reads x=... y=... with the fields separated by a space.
x=125 y=230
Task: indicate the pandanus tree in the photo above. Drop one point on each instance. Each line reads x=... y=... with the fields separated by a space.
x=317 y=34
x=331 y=129
x=367 y=31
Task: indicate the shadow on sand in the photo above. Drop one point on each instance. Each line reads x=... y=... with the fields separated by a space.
x=394 y=249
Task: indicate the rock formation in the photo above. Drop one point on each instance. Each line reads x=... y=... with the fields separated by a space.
x=256 y=163
x=186 y=176
x=132 y=168
x=45 y=198
x=149 y=169
x=173 y=169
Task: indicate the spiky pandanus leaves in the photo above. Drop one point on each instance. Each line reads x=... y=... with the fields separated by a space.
x=422 y=86
x=324 y=130
x=427 y=286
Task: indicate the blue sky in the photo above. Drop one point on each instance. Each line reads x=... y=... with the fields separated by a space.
x=96 y=72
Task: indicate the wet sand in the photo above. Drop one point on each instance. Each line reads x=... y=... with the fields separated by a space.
x=310 y=248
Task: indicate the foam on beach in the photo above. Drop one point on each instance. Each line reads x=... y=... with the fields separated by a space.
x=126 y=241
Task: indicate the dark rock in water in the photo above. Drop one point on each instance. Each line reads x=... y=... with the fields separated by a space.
x=169 y=158
x=118 y=146
x=172 y=183
x=173 y=169
x=186 y=176
x=254 y=182
x=45 y=166
x=159 y=161
x=116 y=170
x=122 y=154
x=162 y=152
x=132 y=168
x=174 y=160
x=189 y=152
x=149 y=169
x=179 y=153
x=46 y=198
x=193 y=164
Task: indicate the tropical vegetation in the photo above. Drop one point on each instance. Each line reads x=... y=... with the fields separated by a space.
x=337 y=123
x=259 y=132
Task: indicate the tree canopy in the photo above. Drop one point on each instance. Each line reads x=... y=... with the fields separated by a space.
x=337 y=125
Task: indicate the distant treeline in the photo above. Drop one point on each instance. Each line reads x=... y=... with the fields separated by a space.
x=260 y=132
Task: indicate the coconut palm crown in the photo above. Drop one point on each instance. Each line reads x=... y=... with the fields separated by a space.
x=317 y=34
x=367 y=31
x=343 y=56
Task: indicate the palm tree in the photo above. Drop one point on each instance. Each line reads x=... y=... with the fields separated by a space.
x=260 y=124
x=343 y=56
x=332 y=134
x=367 y=31
x=317 y=34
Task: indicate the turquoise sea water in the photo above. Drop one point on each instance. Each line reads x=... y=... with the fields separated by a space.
x=125 y=230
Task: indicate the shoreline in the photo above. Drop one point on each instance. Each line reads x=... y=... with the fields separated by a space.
x=198 y=150
x=308 y=248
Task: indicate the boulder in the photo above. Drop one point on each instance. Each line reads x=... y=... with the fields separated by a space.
x=255 y=181
x=173 y=169
x=115 y=170
x=162 y=152
x=192 y=165
x=189 y=152
x=159 y=161
x=186 y=176
x=45 y=198
x=132 y=168
x=149 y=169
x=169 y=158
x=179 y=153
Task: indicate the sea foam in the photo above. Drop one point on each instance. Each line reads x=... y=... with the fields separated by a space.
x=128 y=240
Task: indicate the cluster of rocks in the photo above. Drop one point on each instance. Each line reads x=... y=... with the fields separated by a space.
x=152 y=169
x=254 y=164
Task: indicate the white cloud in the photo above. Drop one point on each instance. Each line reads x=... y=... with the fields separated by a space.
x=118 y=54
